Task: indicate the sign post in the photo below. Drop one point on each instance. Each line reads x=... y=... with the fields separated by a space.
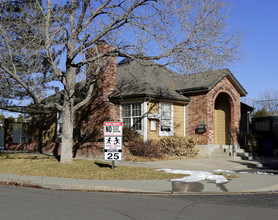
x=113 y=141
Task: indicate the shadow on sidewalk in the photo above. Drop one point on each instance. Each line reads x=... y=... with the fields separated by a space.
x=266 y=164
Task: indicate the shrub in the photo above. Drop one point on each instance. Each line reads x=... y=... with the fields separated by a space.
x=254 y=143
x=149 y=149
x=130 y=135
x=180 y=146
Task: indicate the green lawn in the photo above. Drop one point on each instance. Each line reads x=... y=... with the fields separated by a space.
x=26 y=164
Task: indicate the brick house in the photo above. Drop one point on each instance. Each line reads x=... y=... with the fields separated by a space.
x=159 y=102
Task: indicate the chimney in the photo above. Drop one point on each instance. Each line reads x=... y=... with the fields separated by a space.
x=99 y=109
x=104 y=69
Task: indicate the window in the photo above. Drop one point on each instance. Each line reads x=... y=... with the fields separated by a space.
x=131 y=115
x=166 y=119
x=59 y=125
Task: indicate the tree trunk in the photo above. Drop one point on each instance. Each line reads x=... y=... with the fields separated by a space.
x=67 y=133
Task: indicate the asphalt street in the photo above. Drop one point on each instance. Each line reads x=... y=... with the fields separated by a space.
x=30 y=204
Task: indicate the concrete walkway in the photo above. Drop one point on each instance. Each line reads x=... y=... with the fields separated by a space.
x=249 y=179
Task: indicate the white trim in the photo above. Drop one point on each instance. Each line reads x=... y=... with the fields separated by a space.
x=142 y=113
x=165 y=133
x=145 y=121
x=121 y=108
x=59 y=125
x=184 y=120
x=172 y=119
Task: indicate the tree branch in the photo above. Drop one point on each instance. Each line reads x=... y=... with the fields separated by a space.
x=87 y=99
x=117 y=23
x=24 y=85
x=56 y=70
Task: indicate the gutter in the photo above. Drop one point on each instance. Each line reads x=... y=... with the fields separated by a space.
x=191 y=90
x=132 y=97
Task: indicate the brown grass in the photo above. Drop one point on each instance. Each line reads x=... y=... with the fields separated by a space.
x=37 y=165
x=227 y=176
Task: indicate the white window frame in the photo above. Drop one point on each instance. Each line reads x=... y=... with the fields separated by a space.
x=59 y=125
x=131 y=116
x=171 y=132
x=184 y=119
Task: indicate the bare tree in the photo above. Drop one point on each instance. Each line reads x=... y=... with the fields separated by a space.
x=268 y=100
x=192 y=35
x=23 y=65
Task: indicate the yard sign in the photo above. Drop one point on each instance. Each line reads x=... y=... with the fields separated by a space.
x=113 y=141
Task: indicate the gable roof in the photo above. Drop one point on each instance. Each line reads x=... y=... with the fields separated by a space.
x=146 y=79
x=245 y=107
x=205 y=81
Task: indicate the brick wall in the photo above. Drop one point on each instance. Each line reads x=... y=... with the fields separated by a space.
x=197 y=111
x=88 y=125
x=201 y=108
x=8 y=131
x=99 y=109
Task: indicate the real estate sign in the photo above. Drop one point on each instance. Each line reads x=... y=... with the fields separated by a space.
x=113 y=141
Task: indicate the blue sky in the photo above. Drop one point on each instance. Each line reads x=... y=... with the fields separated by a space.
x=258 y=19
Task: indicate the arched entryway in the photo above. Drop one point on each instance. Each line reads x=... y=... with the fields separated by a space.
x=222 y=110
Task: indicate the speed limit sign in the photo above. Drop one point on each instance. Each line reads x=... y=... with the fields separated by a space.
x=113 y=148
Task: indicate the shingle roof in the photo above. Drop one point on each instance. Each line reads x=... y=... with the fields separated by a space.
x=202 y=79
x=205 y=81
x=142 y=78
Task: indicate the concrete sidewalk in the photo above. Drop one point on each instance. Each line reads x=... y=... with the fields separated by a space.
x=205 y=164
x=248 y=181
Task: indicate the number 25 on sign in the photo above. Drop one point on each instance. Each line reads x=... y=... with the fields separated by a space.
x=111 y=156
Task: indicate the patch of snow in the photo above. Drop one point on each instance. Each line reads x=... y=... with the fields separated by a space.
x=263 y=173
x=196 y=176
x=224 y=171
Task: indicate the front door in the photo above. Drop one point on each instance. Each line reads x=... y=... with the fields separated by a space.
x=222 y=119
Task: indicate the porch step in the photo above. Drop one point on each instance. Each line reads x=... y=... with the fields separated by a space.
x=237 y=153
x=220 y=153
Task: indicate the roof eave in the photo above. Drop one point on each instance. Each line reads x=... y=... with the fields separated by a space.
x=117 y=99
x=237 y=85
x=233 y=80
x=191 y=90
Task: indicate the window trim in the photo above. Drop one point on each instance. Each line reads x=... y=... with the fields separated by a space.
x=171 y=132
x=131 y=116
x=59 y=125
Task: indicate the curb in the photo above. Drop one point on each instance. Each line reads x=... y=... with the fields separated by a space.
x=119 y=190
x=92 y=189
